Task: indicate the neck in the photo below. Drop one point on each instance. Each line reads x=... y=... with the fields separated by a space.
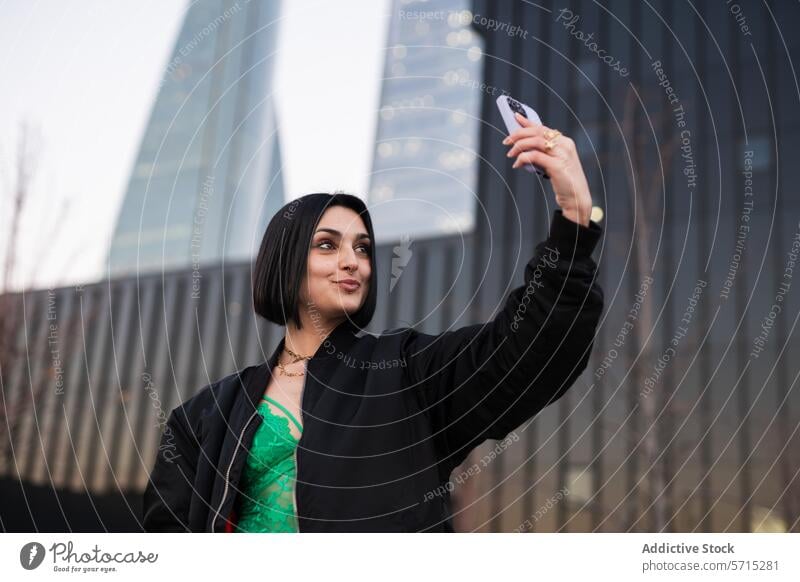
x=306 y=341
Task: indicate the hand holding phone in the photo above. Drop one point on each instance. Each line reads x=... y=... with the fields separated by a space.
x=508 y=106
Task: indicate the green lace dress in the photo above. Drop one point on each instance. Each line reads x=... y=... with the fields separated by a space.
x=266 y=502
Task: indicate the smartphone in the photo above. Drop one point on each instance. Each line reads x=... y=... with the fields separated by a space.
x=508 y=106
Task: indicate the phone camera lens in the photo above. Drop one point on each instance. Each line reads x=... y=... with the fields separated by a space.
x=515 y=106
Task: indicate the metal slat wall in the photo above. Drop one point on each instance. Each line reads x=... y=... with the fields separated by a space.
x=12 y=384
x=702 y=494
x=36 y=375
x=786 y=111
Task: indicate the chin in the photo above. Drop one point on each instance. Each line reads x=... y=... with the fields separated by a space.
x=346 y=305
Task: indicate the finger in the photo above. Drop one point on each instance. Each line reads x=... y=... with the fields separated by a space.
x=536 y=157
x=523 y=132
x=523 y=121
x=525 y=144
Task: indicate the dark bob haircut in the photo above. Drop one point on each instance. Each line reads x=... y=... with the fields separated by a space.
x=283 y=257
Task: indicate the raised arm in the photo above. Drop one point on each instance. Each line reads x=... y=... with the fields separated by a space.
x=484 y=380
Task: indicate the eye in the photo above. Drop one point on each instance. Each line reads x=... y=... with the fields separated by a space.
x=327 y=244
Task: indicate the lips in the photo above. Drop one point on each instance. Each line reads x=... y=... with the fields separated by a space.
x=349 y=285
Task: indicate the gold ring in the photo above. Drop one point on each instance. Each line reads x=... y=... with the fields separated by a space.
x=552 y=133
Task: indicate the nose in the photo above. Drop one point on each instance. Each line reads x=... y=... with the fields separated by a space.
x=347 y=260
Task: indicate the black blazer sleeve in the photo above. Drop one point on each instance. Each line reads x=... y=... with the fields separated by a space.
x=165 y=504
x=482 y=381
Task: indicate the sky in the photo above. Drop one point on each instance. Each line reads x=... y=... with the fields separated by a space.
x=83 y=76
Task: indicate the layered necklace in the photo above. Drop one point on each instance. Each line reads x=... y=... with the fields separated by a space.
x=297 y=357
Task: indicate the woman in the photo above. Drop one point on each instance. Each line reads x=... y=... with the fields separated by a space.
x=341 y=430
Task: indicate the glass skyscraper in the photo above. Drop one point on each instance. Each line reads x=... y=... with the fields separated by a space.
x=207 y=176
x=424 y=171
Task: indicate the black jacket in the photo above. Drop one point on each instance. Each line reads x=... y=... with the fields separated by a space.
x=387 y=418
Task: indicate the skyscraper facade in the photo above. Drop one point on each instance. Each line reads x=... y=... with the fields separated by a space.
x=423 y=181
x=207 y=176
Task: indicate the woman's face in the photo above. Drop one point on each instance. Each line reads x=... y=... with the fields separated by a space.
x=338 y=273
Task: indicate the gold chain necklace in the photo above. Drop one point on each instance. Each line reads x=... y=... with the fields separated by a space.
x=297 y=357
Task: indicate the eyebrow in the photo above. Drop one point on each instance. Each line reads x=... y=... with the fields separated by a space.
x=339 y=234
